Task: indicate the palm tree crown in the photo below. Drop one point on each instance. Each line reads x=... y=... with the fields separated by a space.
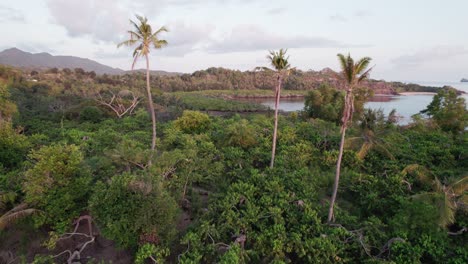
x=278 y=60
x=144 y=36
x=354 y=73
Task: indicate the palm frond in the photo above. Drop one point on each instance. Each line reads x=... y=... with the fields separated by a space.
x=159 y=43
x=365 y=148
x=460 y=186
x=135 y=59
x=15 y=214
x=136 y=26
x=134 y=35
x=421 y=173
x=127 y=43
x=362 y=65
x=160 y=30
x=364 y=76
x=446 y=211
x=342 y=60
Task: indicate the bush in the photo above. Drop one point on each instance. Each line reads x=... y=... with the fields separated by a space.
x=57 y=184
x=91 y=114
x=132 y=210
x=193 y=122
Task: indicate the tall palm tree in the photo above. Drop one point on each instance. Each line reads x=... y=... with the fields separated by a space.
x=145 y=39
x=353 y=73
x=280 y=63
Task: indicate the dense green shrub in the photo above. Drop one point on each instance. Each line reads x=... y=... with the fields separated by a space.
x=193 y=122
x=91 y=114
x=133 y=210
x=57 y=183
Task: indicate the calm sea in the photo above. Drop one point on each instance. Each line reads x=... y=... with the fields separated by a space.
x=406 y=106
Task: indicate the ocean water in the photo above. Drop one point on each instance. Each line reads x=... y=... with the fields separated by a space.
x=405 y=105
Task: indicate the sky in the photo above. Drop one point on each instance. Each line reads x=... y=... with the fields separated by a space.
x=408 y=40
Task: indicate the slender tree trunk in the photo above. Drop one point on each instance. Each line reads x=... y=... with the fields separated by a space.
x=151 y=108
x=337 y=176
x=275 y=130
x=347 y=112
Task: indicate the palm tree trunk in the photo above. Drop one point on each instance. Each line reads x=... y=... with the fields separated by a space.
x=346 y=116
x=151 y=108
x=337 y=176
x=275 y=130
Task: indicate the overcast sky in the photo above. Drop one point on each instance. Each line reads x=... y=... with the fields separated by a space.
x=412 y=40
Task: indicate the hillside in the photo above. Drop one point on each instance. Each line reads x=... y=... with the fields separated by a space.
x=209 y=79
x=18 y=58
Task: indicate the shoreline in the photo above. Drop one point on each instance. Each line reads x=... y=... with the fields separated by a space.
x=416 y=93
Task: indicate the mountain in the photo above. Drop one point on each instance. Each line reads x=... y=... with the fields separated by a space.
x=18 y=58
x=464 y=80
x=156 y=73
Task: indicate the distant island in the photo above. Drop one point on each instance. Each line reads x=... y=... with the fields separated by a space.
x=464 y=80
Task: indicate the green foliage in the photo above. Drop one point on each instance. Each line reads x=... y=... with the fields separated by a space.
x=256 y=213
x=195 y=101
x=215 y=169
x=91 y=114
x=57 y=183
x=13 y=146
x=241 y=134
x=325 y=103
x=7 y=108
x=151 y=251
x=134 y=210
x=449 y=110
x=193 y=122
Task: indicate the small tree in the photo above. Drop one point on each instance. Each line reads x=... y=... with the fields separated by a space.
x=57 y=184
x=448 y=110
x=280 y=63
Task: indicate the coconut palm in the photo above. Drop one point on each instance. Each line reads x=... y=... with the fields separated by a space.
x=353 y=74
x=447 y=198
x=280 y=63
x=145 y=39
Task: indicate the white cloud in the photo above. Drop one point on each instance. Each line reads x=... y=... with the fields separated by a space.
x=252 y=38
x=8 y=14
x=338 y=17
x=427 y=56
x=185 y=38
x=276 y=10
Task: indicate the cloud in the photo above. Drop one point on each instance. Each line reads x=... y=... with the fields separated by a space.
x=252 y=38
x=98 y=19
x=338 y=17
x=185 y=38
x=276 y=10
x=102 y=20
x=341 y=18
x=362 y=13
x=182 y=39
x=434 y=54
x=8 y=14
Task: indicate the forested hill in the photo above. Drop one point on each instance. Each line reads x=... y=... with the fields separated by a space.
x=211 y=79
x=18 y=58
x=61 y=69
